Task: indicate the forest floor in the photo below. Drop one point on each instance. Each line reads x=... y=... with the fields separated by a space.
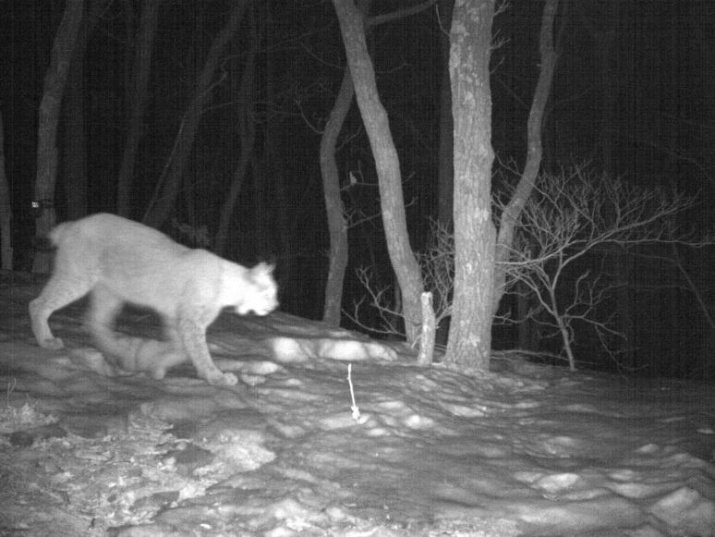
x=532 y=450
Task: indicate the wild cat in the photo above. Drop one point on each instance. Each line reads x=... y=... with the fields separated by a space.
x=119 y=261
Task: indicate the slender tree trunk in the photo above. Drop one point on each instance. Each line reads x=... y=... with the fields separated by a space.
x=287 y=208
x=74 y=136
x=50 y=107
x=337 y=226
x=262 y=207
x=5 y=209
x=74 y=140
x=167 y=188
x=247 y=130
x=469 y=343
x=528 y=330
x=510 y=216
x=607 y=84
x=445 y=172
x=701 y=37
x=387 y=163
x=129 y=36
x=137 y=100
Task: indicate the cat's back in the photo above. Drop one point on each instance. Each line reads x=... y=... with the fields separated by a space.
x=112 y=245
x=111 y=236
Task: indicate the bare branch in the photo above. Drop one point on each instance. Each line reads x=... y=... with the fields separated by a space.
x=379 y=301
x=577 y=213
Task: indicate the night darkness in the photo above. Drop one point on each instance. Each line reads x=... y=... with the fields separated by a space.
x=633 y=95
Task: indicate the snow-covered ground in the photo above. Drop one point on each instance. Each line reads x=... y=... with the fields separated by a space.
x=432 y=452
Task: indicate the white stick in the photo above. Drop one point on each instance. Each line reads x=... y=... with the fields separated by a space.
x=354 y=407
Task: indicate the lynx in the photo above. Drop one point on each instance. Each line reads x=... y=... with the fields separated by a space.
x=119 y=261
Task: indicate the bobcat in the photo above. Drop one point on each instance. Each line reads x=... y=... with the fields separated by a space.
x=119 y=261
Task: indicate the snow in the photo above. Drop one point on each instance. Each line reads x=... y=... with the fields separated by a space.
x=434 y=452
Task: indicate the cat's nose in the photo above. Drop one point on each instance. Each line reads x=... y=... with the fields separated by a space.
x=260 y=311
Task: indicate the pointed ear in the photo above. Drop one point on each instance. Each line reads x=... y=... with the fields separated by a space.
x=264 y=267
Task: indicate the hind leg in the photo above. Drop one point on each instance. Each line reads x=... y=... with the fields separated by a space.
x=104 y=306
x=58 y=293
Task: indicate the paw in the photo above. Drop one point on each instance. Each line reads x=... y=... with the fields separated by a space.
x=222 y=379
x=52 y=344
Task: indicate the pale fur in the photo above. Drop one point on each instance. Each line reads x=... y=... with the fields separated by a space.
x=119 y=261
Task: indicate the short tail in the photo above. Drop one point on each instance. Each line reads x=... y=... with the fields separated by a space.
x=138 y=354
x=56 y=234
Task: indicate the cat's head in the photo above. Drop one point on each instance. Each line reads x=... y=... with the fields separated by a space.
x=257 y=292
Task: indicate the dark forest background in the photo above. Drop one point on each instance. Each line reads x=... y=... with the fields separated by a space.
x=633 y=95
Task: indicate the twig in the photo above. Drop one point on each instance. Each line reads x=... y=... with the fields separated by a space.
x=354 y=407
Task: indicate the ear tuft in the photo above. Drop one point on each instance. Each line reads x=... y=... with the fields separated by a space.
x=264 y=267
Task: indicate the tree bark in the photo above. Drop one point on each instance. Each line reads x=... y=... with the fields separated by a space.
x=137 y=100
x=247 y=130
x=445 y=171
x=510 y=216
x=337 y=225
x=74 y=139
x=49 y=114
x=469 y=342
x=5 y=209
x=387 y=164
x=429 y=326
x=74 y=135
x=167 y=188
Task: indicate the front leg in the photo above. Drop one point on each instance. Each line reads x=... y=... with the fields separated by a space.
x=193 y=337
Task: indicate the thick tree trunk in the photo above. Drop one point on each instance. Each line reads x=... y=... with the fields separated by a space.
x=50 y=107
x=337 y=226
x=510 y=216
x=167 y=189
x=445 y=157
x=386 y=161
x=5 y=209
x=469 y=343
x=137 y=101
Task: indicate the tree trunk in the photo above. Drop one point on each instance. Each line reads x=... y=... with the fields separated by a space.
x=74 y=140
x=469 y=343
x=5 y=209
x=74 y=135
x=445 y=171
x=287 y=207
x=262 y=204
x=387 y=164
x=167 y=188
x=445 y=157
x=510 y=216
x=137 y=101
x=50 y=107
x=337 y=226
x=247 y=130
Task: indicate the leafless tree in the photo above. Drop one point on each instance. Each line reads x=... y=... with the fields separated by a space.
x=168 y=187
x=469 y=343
x=49 y=114
x=5 y=209
x=387 y=163
x=569 y=216
x=574 y=214
x=138 y=101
